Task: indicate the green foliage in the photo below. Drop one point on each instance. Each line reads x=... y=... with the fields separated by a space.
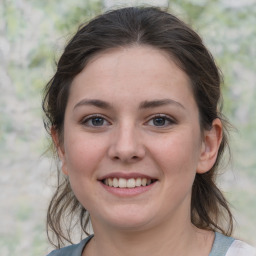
x=23 y=211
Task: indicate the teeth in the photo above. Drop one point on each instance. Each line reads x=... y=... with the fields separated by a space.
x=130 y=183
x=122 y=183
x=144 y=182
x=115 y=182
x=110 y=182
x=127 y=183
x=138 y=182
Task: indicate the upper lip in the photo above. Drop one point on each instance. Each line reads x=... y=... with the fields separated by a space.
x=126 y=175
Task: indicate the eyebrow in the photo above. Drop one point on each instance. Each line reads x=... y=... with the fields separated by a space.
x=159 y=103
x=143 y=105
x=94 y=102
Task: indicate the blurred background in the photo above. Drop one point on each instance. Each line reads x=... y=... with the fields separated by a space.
x=32 y=36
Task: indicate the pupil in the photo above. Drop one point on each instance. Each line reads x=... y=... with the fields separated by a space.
x=97 y=121
x=159 y=121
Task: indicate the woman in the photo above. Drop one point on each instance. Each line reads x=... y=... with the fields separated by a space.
x=134 y=114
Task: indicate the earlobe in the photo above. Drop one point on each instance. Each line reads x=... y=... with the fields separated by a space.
x=60 y=150
x=210 y=147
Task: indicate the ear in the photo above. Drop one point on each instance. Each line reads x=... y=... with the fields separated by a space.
x=60 y=150
x=210 y=147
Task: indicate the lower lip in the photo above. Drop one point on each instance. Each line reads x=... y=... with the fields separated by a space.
x=126 y=192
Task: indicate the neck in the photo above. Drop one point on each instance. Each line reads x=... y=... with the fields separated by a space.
x=175 y=238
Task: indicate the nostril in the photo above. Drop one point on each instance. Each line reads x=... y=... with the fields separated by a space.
x=126 y=158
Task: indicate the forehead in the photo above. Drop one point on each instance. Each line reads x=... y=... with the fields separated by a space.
x=135 y=67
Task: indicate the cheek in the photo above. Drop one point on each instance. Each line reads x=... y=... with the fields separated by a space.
x=82 y=155
x=82 y=158
x=181 y=148
x=177 y=156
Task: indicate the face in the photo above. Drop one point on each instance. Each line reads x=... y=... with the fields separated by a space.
x=132 y=141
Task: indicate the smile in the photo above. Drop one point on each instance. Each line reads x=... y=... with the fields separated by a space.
x=127 y=183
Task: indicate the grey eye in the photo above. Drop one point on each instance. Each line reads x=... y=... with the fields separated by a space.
x=159 y=121
x=97 y=121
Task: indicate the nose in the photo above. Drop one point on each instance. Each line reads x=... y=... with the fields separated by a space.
x=126 y=144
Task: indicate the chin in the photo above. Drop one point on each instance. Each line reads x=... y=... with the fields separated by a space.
x=128 y=218
x=127 y=224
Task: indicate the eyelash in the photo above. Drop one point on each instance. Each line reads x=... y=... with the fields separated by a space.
x=164 y=117
x=170 y=121
x=90 y=118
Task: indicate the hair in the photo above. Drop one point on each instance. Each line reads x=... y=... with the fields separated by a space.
x=145 y=26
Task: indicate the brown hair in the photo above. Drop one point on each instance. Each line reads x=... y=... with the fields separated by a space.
x=142 y=26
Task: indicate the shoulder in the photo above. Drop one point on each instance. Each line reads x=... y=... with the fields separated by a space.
x=71 y=250
x=240 y=248
x=228 y=246
x=65 y=251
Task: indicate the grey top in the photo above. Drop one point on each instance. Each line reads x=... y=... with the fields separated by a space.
x=220 y=247
x=71 y=250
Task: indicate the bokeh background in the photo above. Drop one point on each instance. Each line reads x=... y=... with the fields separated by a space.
x=32 y=36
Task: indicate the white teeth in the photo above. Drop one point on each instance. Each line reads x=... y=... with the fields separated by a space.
x=130 y=183
x=144 y=182
x=138 y=182
x=115 y=182
x=122 y=183
x=127 y=183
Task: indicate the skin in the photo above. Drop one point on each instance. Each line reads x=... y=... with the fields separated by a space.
x=127 y=140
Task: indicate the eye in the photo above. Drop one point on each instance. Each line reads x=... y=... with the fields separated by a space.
x=95 y=121
x=160 y=121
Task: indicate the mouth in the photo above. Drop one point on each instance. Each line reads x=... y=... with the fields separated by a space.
x=127 y=183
